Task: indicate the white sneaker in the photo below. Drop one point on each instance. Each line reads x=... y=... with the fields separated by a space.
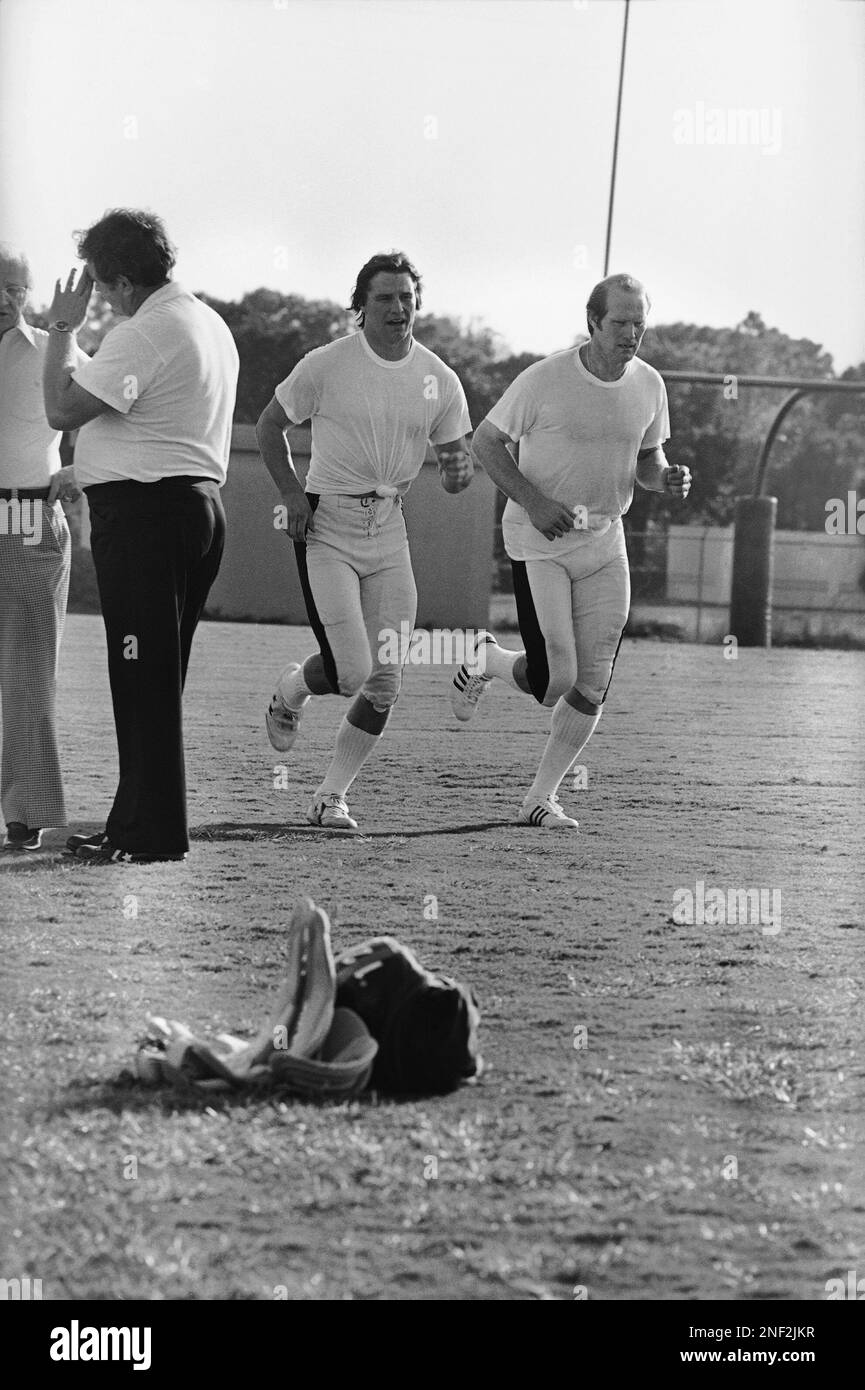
x=468 y=688
x=548 y=814
x=281 y=722
x=330 y=811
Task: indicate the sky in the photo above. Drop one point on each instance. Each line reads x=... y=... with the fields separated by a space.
x=286 y=141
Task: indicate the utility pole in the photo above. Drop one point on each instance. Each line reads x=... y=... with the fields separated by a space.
x=616 y=141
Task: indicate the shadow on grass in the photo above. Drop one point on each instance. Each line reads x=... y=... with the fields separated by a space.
x=53 y=850
x=46 y=858
x=240 y=830
x=127 y=1095
x=54 y=853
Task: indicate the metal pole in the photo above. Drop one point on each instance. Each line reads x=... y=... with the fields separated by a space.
x=753 y=564
x=700 y=579
x=763 y=461
x=616 y=141
x=784 y=383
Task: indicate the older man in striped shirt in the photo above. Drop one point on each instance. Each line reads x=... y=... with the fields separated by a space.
x=35 y=551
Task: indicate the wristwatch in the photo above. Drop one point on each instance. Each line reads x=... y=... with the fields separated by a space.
x=62 y=326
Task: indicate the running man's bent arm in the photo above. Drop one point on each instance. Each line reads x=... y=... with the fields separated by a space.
x=273 y=446
x=655 y=474
x=490 y=449
x=651 y=467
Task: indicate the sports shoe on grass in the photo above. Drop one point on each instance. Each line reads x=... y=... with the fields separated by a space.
x=330 y=811
x=547 y=814
x=469 y=688
x=20 y=836
x=281 y=722
x=97 y=837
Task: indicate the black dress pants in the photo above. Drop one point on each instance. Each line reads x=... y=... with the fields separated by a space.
x=156 y=550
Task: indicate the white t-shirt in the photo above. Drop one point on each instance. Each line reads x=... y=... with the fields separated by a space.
x=170 y=375
x=372 y=419
x=29 y=447
x=579 y=440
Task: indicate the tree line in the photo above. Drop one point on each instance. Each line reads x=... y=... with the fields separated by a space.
x=717 y=432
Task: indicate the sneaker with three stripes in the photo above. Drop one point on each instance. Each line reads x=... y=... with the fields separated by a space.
x=547 y=814
x=330 y=811
x=469 y=686
x=282 y=723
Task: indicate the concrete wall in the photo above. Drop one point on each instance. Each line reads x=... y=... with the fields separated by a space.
x=257 y=580
x=699 y=564
x=691 y=622
x=451 y=541
x=816 y=592
x=816 y=571
x=812 y=570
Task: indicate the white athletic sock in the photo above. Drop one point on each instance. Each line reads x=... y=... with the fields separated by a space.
x=570 y=731
x=500 y=662
x=351 y=750
x=294 y=691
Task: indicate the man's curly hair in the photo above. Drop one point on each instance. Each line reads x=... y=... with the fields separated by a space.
x=127 y=241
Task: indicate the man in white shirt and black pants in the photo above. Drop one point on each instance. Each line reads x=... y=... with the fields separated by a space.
x=154 y=408
x=590 y=421
x=35 y=552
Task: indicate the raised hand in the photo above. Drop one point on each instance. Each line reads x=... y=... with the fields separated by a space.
x=69 y=304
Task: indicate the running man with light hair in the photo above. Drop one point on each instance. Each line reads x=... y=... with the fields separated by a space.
x=590 y=421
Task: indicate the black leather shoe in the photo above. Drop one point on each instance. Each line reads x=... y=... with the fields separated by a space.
x=106 y=853
x=96 y=838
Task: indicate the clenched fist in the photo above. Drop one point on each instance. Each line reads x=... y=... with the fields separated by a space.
x=677 y=481
x=456 y=469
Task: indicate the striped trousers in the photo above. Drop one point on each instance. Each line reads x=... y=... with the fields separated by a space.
x=34 y=584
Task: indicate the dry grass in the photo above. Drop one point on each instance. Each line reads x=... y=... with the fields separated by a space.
x=601 y=1165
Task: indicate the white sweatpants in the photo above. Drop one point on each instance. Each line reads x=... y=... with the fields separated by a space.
x=355 y=571
x=572 y=612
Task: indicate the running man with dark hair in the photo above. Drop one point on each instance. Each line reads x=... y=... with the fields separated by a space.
x=375 y=399
x=392 y=262
x=590 y=422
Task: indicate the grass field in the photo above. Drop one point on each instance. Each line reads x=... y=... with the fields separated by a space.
x=702 y=1138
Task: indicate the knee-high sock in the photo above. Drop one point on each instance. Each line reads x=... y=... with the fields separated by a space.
x=353 y=747
x=570 y=731
x=500 y=662
x=293 y=690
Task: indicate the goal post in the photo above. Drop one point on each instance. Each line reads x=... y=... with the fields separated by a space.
x=753 y=563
